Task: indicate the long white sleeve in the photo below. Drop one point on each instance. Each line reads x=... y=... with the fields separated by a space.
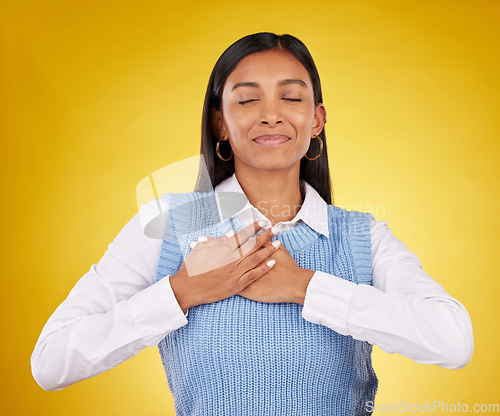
x=404 y=311
x=113 y=312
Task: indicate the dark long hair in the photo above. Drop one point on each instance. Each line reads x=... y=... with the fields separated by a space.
x=315 y=172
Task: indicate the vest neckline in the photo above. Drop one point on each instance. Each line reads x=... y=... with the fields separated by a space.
x=296 y=239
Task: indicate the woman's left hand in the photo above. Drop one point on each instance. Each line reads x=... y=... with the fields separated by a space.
x=285 y=282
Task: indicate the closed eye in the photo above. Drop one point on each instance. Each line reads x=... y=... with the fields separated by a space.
x=295 y=100
x=246 y=101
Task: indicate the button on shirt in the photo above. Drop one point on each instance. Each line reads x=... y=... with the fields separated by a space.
x=116 y=309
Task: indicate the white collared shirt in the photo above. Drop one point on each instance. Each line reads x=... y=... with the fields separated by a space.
x=116 y=309
x=313 y=212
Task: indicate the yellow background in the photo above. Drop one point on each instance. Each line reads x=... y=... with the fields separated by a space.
x=97 y=94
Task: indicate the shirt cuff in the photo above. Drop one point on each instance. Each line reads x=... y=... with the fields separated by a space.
x=327 y=301
x=155 y=312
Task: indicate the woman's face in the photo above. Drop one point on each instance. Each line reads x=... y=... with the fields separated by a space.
x=268 y=112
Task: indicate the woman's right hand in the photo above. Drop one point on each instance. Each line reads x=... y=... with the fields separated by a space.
x=221 y=267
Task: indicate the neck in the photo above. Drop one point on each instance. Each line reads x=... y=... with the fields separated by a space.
x=276 y=194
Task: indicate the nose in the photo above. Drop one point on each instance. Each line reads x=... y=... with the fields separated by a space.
x=270 y=115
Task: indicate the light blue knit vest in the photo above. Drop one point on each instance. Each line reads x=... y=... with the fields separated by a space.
x=241 y=357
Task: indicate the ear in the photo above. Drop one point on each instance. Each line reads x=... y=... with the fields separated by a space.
x=217 y=122
x=319 y=119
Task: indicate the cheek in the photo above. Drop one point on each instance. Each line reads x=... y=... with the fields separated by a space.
x=301 y=120
x=239 y=123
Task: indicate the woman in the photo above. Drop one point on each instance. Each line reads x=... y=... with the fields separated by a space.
x=274 y=310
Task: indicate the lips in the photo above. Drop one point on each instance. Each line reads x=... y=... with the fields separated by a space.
x=271 y=140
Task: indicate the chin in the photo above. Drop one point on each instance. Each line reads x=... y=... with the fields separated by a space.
x=273 y=164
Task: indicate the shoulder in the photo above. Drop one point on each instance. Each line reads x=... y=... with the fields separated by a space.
x=335 y=212
x=355 y=225
x=153 y=215
x=177 y=199
x=166 y=202
x=378 y=230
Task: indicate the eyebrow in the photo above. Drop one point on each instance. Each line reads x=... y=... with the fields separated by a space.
x=281 y=83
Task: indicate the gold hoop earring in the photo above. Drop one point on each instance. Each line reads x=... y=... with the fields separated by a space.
x=320 y=148
x=218 y=151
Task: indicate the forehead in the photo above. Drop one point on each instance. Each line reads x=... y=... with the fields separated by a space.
x=268 y=65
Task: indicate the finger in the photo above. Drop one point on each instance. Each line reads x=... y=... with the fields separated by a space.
x=242 y=236
x=230 y=240
x=201 y=239
x=230 y=233
x=255 y=259
x=255 y=273
x=256 y=242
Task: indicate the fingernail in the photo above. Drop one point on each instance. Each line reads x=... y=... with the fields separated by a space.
x=230 y=234
x=262 y=223
x=201 y=239
x=275 y=229
x=192 y=244
x=271 y=263
x=276 y=243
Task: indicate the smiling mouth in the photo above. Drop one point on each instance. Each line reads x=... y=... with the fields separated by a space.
x=271 y=140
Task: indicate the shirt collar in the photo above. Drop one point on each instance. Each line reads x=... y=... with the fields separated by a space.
x=314 y=210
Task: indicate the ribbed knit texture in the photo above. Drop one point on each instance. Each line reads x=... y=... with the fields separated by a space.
x=241 y=357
